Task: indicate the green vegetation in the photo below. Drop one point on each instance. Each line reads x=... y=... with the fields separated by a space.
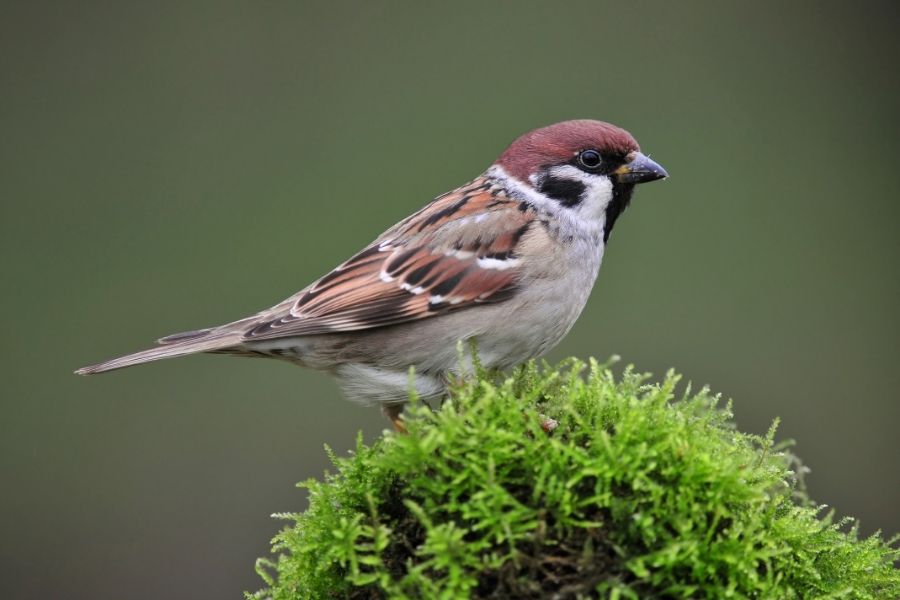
x=634 y=495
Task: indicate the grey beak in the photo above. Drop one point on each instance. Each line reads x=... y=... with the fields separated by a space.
x=640 y=169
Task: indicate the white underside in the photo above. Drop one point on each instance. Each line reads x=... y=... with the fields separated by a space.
x=370 y=384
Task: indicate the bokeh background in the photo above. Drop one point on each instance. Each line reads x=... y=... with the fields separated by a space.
x=166 y=167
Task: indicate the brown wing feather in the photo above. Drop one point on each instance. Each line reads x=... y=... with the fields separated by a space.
x=458 y=251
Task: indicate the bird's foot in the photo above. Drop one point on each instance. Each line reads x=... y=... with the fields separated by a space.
x=394 y=414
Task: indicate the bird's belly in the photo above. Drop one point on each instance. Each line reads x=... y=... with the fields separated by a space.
x=374 y=365
x=530 y=332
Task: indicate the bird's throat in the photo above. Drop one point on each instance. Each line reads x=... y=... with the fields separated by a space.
x=621 y=197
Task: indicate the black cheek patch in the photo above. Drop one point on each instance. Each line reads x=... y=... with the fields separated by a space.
x=567 y=192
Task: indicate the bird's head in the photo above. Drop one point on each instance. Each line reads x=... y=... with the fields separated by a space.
x=589 y=167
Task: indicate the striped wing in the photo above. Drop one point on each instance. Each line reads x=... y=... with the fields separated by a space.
x=459 y=251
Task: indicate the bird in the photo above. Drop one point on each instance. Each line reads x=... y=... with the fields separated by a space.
x=505 y=263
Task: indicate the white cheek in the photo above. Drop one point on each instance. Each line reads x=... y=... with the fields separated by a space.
x=598 y=191
x=599 y=195
x=585 y=221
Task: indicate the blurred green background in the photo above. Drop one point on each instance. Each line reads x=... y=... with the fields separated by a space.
x=166 y=167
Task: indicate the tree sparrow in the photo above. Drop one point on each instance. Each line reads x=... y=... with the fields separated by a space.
x=507 y=260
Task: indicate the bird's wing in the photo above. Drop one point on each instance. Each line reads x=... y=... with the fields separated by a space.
x=457 y=252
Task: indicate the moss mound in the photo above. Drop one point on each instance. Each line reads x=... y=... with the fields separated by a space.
x=633 y=495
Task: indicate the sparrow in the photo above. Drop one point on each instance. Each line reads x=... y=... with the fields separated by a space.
x=506 y=261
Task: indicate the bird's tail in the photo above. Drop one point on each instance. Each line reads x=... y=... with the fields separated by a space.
x=179 y=344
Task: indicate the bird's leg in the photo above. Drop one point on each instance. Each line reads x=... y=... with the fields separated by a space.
x=394 y=413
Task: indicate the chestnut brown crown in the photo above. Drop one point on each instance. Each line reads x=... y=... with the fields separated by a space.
x=560 y=142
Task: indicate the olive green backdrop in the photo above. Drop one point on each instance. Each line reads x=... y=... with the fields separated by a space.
x=171 y=167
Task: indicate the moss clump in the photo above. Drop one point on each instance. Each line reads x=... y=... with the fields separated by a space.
x=633 y=495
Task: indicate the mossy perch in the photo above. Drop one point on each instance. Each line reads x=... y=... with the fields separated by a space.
x=633 y=495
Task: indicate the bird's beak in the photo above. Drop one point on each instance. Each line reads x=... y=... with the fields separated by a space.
x=640 y=169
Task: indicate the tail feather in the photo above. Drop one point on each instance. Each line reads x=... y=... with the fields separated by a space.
x=184 y=335
x=174 y=345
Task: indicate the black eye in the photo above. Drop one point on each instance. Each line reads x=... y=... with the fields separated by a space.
x=589 y=159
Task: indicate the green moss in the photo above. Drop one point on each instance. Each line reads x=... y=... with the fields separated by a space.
x=633 y=495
